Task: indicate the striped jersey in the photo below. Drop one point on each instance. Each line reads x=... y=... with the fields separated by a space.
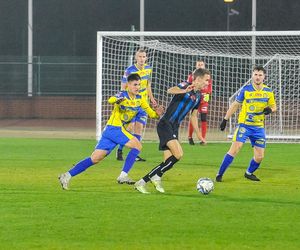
x=182 y=104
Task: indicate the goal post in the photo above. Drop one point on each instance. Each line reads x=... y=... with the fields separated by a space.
x=228 y=55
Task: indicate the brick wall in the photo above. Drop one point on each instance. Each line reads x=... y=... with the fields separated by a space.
x=53 y=107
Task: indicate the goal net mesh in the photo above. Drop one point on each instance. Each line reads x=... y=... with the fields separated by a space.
x=230 y=59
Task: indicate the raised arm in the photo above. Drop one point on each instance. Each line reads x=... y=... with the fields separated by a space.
x=176 y=90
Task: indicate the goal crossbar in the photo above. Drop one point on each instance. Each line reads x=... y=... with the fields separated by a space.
x=230 y=56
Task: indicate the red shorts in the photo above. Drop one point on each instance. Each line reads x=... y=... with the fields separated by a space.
x=203 y=108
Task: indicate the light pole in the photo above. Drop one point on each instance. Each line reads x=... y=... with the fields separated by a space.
x=230 y=12
x=30 y=50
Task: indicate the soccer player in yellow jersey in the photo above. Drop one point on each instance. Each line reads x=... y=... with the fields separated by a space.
x=139 y=121
x=126 y=105
x=257 y=101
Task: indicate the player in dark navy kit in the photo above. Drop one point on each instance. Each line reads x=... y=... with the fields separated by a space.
x=187 y=98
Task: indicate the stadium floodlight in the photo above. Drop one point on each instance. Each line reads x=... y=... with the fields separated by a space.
x=228 y=1
x=228 y=55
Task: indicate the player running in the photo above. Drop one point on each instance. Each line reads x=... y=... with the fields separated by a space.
x=126 y=105
x=203 y=108
x=187 y=97
x=257 y=100
x=139 y=121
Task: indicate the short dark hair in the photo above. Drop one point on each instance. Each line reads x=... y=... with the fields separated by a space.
x=133 y=77
x=200 y=72
x=259 y=68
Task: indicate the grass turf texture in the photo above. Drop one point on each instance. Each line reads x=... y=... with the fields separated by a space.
x=98 y=213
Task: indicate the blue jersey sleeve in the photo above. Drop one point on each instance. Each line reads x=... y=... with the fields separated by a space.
x=241 y=95
x=124 y=77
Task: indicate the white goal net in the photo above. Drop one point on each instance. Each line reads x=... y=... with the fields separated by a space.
x=230 y=56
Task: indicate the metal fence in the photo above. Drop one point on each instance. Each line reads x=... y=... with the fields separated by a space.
x=51 y=75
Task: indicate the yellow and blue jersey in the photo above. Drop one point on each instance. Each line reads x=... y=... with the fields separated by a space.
x=253 y=103
x=125 y=111
x=144 y=73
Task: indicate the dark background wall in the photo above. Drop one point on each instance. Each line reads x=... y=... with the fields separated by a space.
x=68 y=27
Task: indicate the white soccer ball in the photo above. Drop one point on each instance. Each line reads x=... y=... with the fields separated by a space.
x=205 y=185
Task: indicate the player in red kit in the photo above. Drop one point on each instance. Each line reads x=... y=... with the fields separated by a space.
x=203 y=108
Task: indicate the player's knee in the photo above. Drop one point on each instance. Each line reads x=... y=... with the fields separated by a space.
x=178 y=155
x=95 y=157
x=234 y=149
x=259 y=158
x=138 y=146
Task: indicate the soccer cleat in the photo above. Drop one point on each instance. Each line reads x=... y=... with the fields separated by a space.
x=64 y=180
x=119 y=155
x=158 y=186
x=126 y=180
x=139 y=159
x=251 y=177
x=141 y=188
x=191 y=141
x=219 y=178
x=203 y=143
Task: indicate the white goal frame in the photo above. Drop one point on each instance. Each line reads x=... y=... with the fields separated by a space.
x=252 y=54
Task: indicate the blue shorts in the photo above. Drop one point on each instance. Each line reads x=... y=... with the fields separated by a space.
x=112 y=136
x=140 y=117
x=256 y=135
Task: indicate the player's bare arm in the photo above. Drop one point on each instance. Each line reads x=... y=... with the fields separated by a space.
x=156 y=113
x=232 y=109
x=194 y=121
x=150 y=94
x=176 y=90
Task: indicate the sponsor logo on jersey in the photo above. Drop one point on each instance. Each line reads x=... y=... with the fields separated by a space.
x=260 y=141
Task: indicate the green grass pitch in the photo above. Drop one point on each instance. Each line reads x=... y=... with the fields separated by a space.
x=98 y=213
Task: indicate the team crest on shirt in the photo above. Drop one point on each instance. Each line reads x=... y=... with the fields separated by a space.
x=125 y=117
x=252 y=108
x=265 y=95
x=138 y=103
x=242 y=130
